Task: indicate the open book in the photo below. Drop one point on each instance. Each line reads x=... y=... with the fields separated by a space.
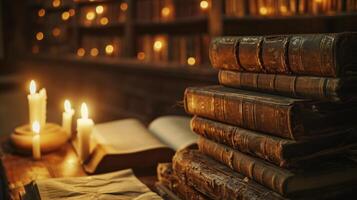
x=128 y=143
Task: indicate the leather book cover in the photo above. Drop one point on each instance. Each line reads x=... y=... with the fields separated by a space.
x=285 y=182
x=330 y=54
x=281 y=152
x=286 y=117
x=310 y=87
x=216 y=180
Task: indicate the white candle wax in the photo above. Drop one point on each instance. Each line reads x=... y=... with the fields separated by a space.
x=84 y=132
x=36 y=142
x=34 y=100
x=67 y=118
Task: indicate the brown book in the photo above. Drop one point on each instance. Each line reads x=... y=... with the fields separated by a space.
x=282 y=152
x=319 y=88
x=128 y=143
x=276 y=115
x=216 y=180
x=285 y=182
x=331 y=55
x=168 y=179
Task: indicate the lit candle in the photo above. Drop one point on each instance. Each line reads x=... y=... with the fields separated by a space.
x=34 y=100
x=36 y=143
x=84 y=132
x=67 y=118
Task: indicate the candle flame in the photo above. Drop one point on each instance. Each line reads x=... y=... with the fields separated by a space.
x=67 y=106
x=36 y=127
x=32 y=87
x=84 y=111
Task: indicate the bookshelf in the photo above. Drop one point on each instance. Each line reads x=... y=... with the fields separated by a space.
x=174 y=32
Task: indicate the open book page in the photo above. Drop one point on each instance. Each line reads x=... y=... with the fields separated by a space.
x=125 y=136
x=117 y=185
x=174 y=131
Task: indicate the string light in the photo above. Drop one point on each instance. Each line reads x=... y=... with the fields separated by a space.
x=191 y=61
x=94 y=52
x=41 y=12
x=39 y=36
x=72 y=12
x=263 y=10
x=81 y=52
x=65 y=16
x=283 y=9
x=141 y=55
x=123 y=6
x=109 y=49
x=56 y=32
x=165 y=12
x=90 y=15
x=56 y=3
x=204 y=4
x=104 y=21
x=158 y=45
x=35 y=49
x=99 y=9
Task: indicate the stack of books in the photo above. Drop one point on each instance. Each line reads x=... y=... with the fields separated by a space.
x=280 y=125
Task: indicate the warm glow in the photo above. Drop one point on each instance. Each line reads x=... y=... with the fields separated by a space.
x=104 y=21
x=56 y=32
x=56 y=3
x=123 y=6
x=39 y=36
x=283 y=9
x=109 y=49
x=158 y=45
x=41 y=12
x=36 y=127
x=81 y=52
x=84 y=111
x=99 y=9
x=318 y=1
x=263 y=10
x=72 y=12
x=204 y=4
x=33 y=87
x=94 y=52
x=90 y=15
x=141 y=56
x=65 y=16
x=165 y=12
x=35 y=49
x=191 y=61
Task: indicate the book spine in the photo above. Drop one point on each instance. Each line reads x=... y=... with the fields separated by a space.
x=294 y=54
x=245 y=113
x=167 y=177
x=243 y=140
x=216 y=180
x=266 y=174
x=321 y=88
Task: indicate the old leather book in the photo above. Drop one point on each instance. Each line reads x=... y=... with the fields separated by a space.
x=332 y=54
x=319 y=88
x=276 y=115
x=285 y=182
x=216 y=180
x=168 y=179
x=282 y=152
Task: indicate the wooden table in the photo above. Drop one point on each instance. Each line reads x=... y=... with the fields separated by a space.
x=18 y=170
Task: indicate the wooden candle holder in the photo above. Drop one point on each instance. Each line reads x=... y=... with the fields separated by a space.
x=52 y=137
